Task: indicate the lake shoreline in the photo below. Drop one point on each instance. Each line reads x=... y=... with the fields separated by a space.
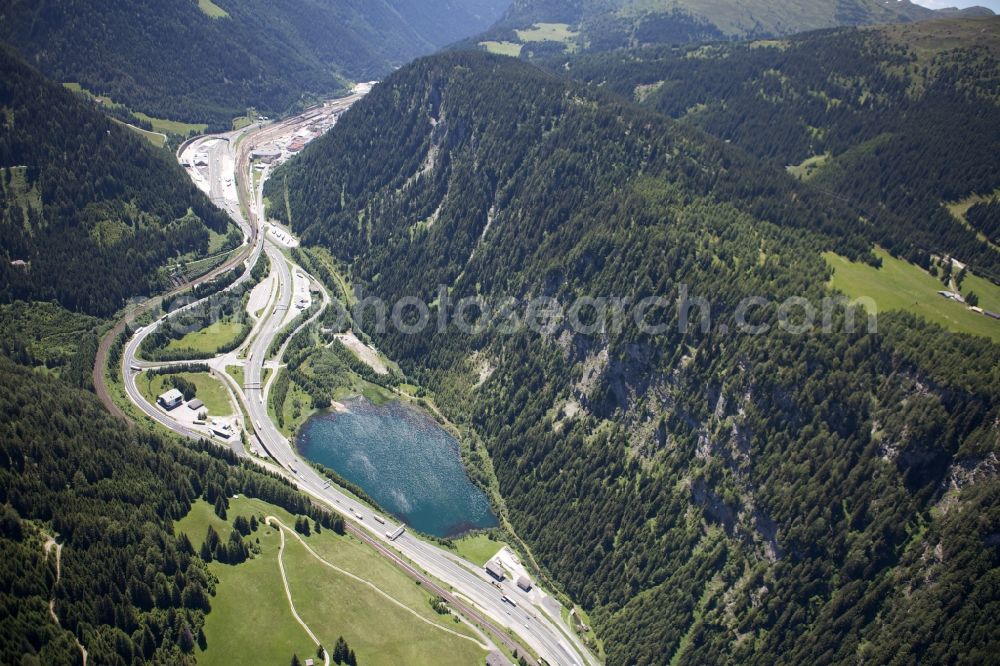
x=403 y=459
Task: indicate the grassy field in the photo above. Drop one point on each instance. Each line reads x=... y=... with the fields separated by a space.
x=293 y=416
x=477 y=548
x=208 y=339
x=159 y=124
x=236 y=372
x=297 y=407
x=172 y=126
x=210 y=390
x=29 y=198
x=809 y=167
x=373 y=393
x=929 y=39
x=251 y=622
x=212 y=9
x=959 y=209
x=548 y=32
x=900 y=285
x=781 y=44
x=988 y=293
x=196 y=523
x=503 y=48
x=155 y=138
x=216 y=242
x=335 y=604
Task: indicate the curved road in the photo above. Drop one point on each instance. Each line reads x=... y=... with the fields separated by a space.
x=472 y=592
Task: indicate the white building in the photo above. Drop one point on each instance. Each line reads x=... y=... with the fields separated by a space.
x=171 y=399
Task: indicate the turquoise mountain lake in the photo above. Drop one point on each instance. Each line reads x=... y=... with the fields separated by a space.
x=404 y=460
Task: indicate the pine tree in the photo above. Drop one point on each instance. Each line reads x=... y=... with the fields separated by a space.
x=302 y=526
x=185 y=639
x=184 y=544
x=241 y=525
x=236 y=550
x=220 y=507
x=340 y=651
x=148 y=645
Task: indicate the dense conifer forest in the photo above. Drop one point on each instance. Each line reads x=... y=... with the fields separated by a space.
x=172 y=60
x=897 y=121
x=90 y=211
x=708 y=497
x=706 y=494
x=130 y=590
x=985 y=217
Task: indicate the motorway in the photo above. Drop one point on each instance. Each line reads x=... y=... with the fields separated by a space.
x=229 y=181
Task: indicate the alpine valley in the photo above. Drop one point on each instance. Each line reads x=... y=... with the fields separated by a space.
x=626 y=332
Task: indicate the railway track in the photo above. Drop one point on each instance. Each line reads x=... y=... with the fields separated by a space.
x=99 y=376
x=242 y=144
x=463 y=608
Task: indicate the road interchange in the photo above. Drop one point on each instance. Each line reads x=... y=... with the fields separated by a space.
x=466 y=586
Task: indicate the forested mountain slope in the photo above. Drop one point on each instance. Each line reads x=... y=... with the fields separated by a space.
x=90 y=211
x=129 y=589
x=174 y=60
x=897 y=120
x=600 y=25
x=709 y=496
